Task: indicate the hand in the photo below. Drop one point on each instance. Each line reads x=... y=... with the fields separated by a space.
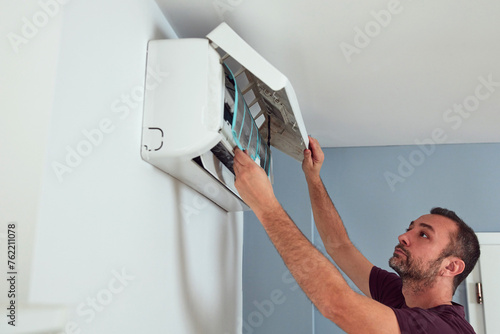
x=252 y=184
x=313 y=159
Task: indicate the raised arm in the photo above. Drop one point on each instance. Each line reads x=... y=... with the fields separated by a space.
x=329 y=224
x=316 y=275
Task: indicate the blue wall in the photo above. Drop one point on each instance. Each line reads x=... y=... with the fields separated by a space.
x=377 y=191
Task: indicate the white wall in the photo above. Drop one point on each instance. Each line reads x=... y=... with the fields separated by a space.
x=27 y=77
x=122 y=246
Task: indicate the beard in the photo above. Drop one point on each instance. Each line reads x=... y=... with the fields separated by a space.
x=415 y=272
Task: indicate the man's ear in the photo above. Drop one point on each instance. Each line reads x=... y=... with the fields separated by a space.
x=454 y=267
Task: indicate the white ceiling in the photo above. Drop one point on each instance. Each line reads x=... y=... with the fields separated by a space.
x=419 y=67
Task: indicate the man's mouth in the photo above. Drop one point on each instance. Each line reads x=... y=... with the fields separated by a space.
x=399 y=250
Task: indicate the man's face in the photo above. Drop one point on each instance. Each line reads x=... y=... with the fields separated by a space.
x=420 y=251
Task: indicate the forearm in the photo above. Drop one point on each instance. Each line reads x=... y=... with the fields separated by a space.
x=316 y=275
x=327 y=219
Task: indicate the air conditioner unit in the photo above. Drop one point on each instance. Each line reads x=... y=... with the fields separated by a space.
x=216 y=93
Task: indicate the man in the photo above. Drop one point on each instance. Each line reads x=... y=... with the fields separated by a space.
x=430 y=259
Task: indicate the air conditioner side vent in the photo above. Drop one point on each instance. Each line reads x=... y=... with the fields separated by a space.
x=224 y=156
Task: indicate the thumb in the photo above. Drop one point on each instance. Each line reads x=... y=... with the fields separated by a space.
x=307 y=157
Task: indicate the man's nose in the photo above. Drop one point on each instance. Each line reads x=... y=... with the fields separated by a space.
x=404 y=239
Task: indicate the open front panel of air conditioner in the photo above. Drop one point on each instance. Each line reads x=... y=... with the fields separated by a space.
x=267 y=92
x=217 y=93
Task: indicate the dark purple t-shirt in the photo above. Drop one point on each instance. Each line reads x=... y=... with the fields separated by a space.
x=385 y=287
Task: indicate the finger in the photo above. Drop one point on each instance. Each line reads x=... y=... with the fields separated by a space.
x=313 y=143
x=315 y=147
x=307 y=154
x=237 y=154
x=240 y=157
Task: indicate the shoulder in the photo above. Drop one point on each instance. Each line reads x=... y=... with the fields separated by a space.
x=444 y=319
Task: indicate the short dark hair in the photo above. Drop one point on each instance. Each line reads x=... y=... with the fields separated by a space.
x=463 y=244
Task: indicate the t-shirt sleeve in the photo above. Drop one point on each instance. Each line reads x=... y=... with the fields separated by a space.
x=385 y=287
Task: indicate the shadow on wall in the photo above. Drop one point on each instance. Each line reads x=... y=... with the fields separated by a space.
x=209 y=246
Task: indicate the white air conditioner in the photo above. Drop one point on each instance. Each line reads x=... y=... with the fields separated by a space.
x=216 y=93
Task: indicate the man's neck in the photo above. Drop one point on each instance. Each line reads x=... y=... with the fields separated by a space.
x=426 y=297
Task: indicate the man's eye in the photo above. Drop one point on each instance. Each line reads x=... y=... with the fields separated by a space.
x=422 y=234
